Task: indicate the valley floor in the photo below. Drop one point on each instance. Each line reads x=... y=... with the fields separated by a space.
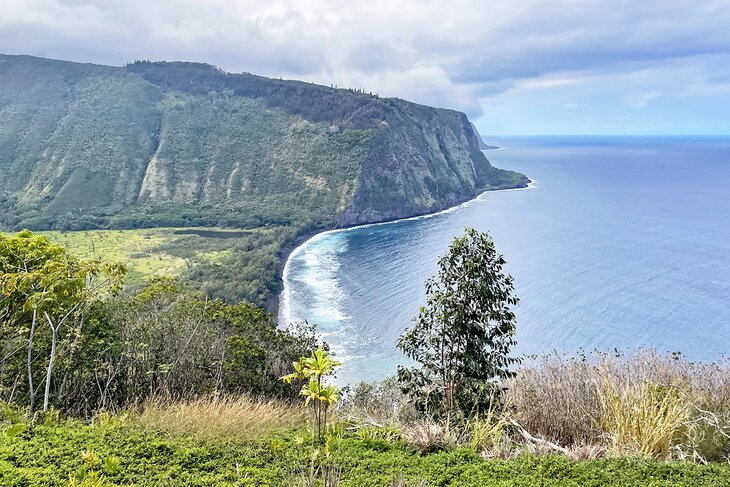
x=230 y=264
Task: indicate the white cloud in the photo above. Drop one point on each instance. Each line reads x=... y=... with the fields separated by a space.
x=446 y=53
x=640 y=100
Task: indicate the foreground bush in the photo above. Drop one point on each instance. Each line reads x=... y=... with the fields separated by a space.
x=112 y=451
x=166 y=341
x=643 y=404
x=640 y=404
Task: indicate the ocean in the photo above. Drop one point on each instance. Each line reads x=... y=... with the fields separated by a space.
x=620 y=242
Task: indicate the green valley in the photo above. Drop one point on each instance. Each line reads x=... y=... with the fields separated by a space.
x=234 y=265
x=171 y=144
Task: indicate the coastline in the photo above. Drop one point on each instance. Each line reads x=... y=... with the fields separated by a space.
x=279 y=303
x=274 y=301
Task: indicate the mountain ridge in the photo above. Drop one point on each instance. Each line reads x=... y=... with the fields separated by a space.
x=181 y=144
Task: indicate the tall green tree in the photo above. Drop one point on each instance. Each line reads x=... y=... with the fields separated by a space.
x=462 y=337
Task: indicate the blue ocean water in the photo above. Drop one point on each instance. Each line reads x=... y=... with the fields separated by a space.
x=620 y=243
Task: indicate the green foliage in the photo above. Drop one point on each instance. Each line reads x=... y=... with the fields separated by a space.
x=313 y=370
x=64 y=453
x=462 y=337
x=171 y=342
x=45 y=293
x=232 y=265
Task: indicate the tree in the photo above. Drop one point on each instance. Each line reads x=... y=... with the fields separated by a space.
x=313 y=370
x=42 y=281
x=462 y=337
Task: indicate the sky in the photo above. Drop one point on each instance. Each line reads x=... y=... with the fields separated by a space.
x=516 y=67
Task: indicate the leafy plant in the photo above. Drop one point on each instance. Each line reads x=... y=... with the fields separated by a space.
x=313 y=370
x=463 y=336
x=42 y=283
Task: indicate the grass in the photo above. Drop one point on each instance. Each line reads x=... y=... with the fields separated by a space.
x=216 y=256
x=112 y=451
x=640 y=404
x=221 y=417
x=138 y=249
x=647 y=420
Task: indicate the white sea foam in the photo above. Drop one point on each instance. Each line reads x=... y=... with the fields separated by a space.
x=321 y=263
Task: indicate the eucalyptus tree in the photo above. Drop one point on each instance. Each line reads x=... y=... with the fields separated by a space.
x=462 y=337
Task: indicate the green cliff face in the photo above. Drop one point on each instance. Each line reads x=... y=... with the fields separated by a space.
x=425 y=159
x=154 y=144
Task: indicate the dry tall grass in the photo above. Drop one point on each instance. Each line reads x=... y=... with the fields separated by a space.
x=644 y=403
x=240 y=417
x=426 y=435
x=645 y=420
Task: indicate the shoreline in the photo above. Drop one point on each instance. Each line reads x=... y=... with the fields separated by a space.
x=274 y=301
x=279 y=302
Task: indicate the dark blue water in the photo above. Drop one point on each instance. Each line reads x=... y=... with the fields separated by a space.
x=621 y=243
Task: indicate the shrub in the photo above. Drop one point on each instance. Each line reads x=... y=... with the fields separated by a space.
x=381 y=402
x=646 y=420
x=427 y=436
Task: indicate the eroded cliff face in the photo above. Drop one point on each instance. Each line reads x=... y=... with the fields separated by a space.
x=425 y=160
x=85 y=143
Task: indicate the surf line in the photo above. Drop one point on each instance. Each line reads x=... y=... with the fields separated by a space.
x=284 y=312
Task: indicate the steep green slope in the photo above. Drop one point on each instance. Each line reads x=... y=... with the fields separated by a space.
x=187 y=145
x=73 y=136
x=152 y=144
x=425 y=159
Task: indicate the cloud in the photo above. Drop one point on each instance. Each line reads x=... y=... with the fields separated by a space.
x=455 y=53
x=640 y=101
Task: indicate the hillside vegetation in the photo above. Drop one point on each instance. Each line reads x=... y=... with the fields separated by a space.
x=169 y=387
x=173 y=144
x=118 y=451
x=179 y=144
x=233 y=265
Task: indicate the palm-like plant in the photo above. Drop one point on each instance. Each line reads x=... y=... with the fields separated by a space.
x=328 y=397
x=300 y=373
x=320 y=363
x=314 y=368
x=310 y=391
